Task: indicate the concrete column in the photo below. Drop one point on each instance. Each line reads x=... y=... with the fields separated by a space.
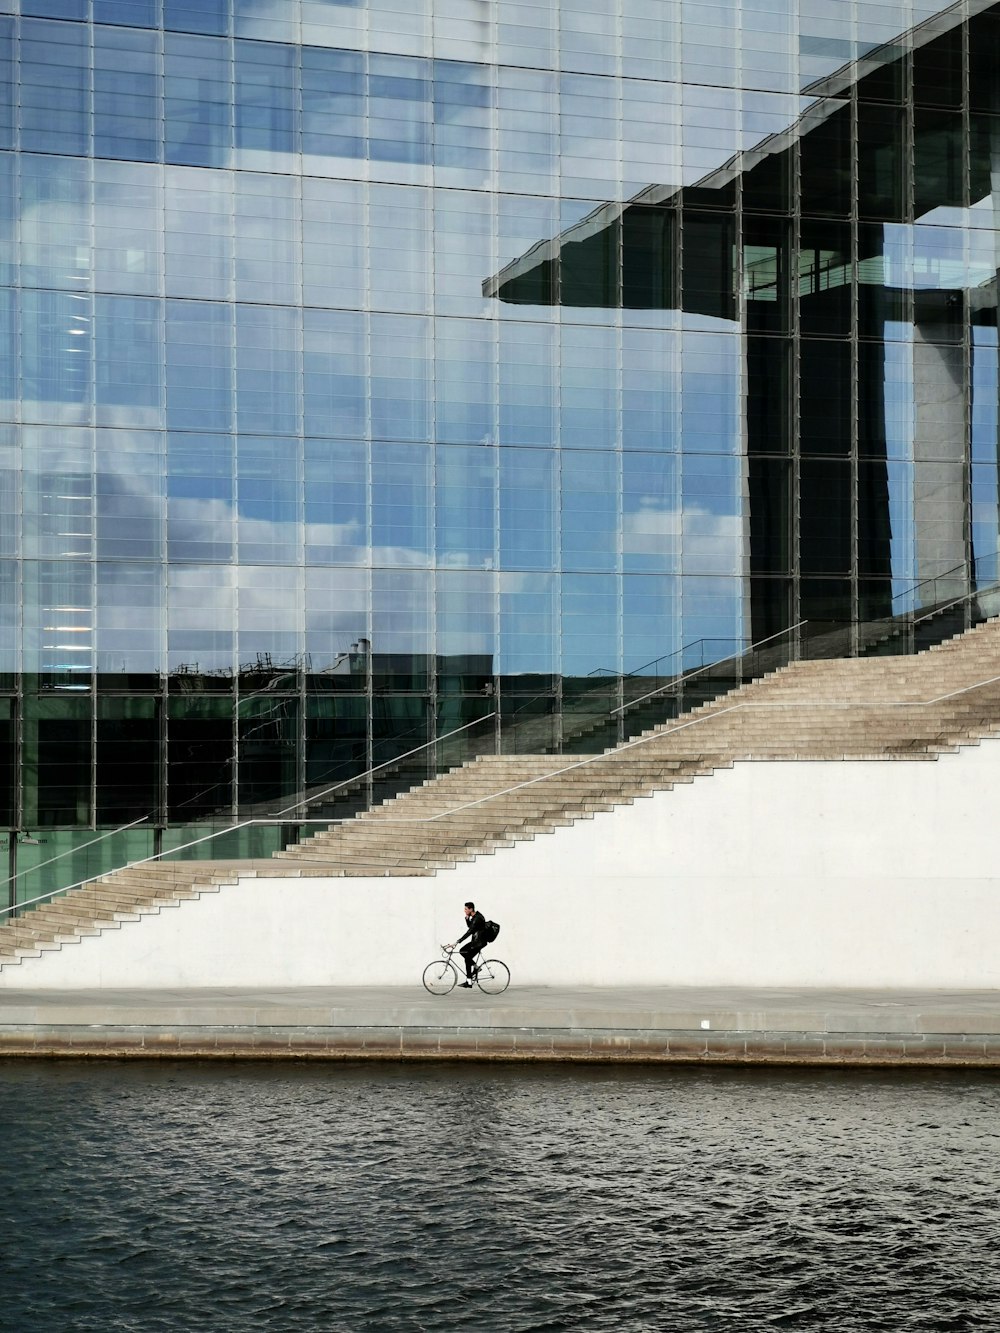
x=940 y=448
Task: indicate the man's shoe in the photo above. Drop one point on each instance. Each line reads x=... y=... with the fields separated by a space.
x=466 y=985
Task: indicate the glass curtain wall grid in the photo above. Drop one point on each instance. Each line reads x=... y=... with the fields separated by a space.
x=368 y=368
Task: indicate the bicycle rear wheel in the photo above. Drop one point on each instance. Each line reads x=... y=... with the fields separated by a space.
x=493 y=976
x=440 y=977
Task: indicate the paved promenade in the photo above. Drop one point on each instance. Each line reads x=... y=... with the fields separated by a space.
x=662 y=1025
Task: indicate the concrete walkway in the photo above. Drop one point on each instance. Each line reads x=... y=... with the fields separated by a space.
x=661 y=1024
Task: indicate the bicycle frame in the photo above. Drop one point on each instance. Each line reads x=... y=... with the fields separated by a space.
x=497 y=973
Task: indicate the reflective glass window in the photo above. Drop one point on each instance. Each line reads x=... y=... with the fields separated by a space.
x=127 y=109
x=8 y=99
x=198 y=100
x=266 y=105
x=336 y=502
x=207 y=16
x=55 y=87
x=199 y=366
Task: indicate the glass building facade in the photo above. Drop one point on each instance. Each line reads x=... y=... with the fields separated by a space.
x=371 y=367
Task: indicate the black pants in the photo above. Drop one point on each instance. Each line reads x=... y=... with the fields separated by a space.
x=469 y=951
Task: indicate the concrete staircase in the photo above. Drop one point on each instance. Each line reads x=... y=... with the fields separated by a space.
x=881 y=708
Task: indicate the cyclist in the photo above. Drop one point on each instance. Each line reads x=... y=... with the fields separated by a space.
x=476 y=923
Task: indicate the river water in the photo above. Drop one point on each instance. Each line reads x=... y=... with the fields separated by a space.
x=177 y=1196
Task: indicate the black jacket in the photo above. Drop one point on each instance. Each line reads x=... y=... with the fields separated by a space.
x=477 y=926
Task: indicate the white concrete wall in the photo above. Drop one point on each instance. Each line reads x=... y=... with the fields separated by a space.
x=768 y=874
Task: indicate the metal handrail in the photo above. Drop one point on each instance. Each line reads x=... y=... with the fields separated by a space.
x=71 y=850
x=157 y=856
x=708 y=667
x=664 y=657
x=394 y=760
x=327 y=822
x=567 y=768
x=230 y=828
x=965 y=566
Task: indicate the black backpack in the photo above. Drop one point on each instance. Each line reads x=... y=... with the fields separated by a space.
x=491 y=931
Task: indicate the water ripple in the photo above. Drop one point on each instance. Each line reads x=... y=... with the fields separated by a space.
x=141 y=1197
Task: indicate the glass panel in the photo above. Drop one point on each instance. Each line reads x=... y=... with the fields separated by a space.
x=127 y=752
x=766 y=275
x=198 y=100
x=825 y=407
x=56 y=760
x=825 y=278
x=771 y=517
x=55 y=87
x=127 y=111
x=825 y=161
x=200 y=752
x=824 y=517
x=708 y=267
x=768 y=401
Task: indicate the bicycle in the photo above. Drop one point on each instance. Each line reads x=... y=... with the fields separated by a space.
x=490 y=974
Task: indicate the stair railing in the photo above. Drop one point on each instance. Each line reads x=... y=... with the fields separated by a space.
x=658 y=735
x=273 y=821
x=700 y=671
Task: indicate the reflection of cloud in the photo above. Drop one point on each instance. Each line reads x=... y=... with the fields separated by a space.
x=650 y=528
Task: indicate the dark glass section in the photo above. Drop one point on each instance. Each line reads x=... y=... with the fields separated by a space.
x=56 y=761
x=708 y=283
x=887 y=81
x=874 y=599
x=825 y=279
x=401 y=671
x=769 y=403
x=8 y=754
x=770 y=490
x=938 y=161
x=649 y=264
x=984 y=61
x=825 y=602
x=589 y=268
x=825 y=166
x=872 y=399
x=824 y=516
x=938 y=69
x=766 y=274
x=200 y=757
x=874 y=529
x=767 y=184
x=127 y=759
x=267 y=749
x=882 y=164
x=984 y=144
x=401 y=728
x=825 y=389
x=336 y=740
x=770 y=607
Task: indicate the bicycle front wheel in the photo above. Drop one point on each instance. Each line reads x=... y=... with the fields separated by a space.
x=493 y=976
x=440 y=977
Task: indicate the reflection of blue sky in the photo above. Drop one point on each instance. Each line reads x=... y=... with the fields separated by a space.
x=985 y=497
x=103 y=495
x=496 y=444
